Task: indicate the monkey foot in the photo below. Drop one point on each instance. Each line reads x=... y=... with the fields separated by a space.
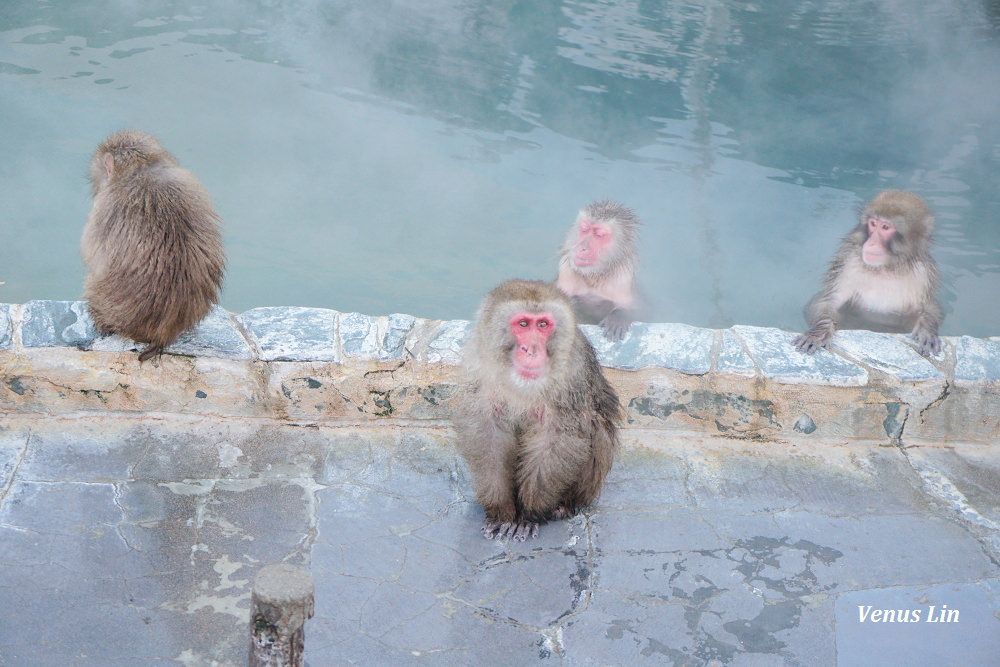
x=517 y=531
x=561 y=513
x=150 y=352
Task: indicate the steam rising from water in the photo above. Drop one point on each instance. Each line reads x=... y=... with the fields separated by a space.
x=407 y=156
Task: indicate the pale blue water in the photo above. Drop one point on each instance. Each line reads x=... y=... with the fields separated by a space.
x=408 y=155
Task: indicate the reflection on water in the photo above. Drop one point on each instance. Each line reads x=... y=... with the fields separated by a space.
x=406 y=155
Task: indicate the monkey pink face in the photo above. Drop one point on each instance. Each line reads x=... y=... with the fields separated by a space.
x=592 y=243
x=531 y=330
x=875 y=251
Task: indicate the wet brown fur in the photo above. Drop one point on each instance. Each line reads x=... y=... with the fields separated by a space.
x=537 y=450
x=152 y=244
x=899 y=296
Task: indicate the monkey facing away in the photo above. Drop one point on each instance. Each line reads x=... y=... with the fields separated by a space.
x=883 y=277
x=597 y=266
x=151 y=244
x=539 y=426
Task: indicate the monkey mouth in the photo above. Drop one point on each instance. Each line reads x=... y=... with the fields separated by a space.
x=583 y=260
x=874 y=258
x=524 y=375
x=528 y=372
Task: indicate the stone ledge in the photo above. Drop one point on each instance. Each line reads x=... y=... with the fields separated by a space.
x=324 y=366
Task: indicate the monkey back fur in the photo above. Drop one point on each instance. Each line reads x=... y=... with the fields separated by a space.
x=151 y=244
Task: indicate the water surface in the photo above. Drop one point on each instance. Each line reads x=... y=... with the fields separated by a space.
x=405 y=156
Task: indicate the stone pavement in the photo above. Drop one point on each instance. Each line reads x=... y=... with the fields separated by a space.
x=134 y=540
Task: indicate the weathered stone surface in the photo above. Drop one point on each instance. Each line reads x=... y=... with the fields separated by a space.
x=745 y=553
x=57 y=323
x=733 y=359
x=887 y=353
x=6 y=327
x=678 y=346
x=214 y=336
x=941 y=622
x=275 y=362
x=978 y=360
x=446 y=346
x=359 y=335
x=293 y=334
x=778 y=360
x=394 y=341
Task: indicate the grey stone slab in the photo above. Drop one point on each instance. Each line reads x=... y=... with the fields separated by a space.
x=214 y=336
x=57 y=324
x=446 y=344
x=733 y=359
x=285 y=333
x=697 y=551
x=967 y=478
x=977 y=360
x=946 y=624
x=359 y=335
x=394 y=341
x=6 y=327
x=887 y=353
x=678 y=346
x=778 y=360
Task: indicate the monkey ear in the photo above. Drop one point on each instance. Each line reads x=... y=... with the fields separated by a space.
x=109 y=164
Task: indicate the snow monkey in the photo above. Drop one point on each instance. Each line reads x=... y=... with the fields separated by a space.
x=151 y=243
x=883 y=277
x=597 y=266
x=539 y=424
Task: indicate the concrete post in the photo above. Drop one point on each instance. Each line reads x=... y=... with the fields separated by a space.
x=281 y=603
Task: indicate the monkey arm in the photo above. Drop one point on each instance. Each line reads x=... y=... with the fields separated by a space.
x=616 y=324
x=821 y=312
x=489 y=449
x=925 y=330
x=822 y=324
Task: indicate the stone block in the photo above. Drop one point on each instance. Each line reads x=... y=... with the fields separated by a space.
x=446 y=344
x=359 y=335
x=886 y=353
x=779 y=361
x=214 y=336
x=6 y=327
x=285 y=333
x=678 y=346
x=57 y=324
x=394 y=341
x=977 y=360
x=733 y=359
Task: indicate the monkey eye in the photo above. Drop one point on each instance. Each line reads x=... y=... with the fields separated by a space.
x=543 y=323
x=522 y=323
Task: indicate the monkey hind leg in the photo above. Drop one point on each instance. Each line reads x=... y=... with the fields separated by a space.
x=592 y=477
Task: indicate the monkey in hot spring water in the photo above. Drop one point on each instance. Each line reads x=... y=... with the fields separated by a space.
x=883 y=277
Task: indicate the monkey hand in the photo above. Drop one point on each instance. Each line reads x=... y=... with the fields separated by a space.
x=928 y=342
x=818 y=336
x=516 y=530
x=616 y=324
